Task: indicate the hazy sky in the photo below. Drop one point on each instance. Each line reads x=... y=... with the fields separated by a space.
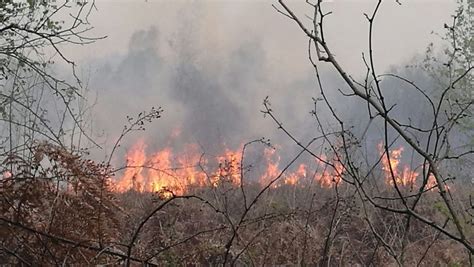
x=401 y=31
x=209 y=64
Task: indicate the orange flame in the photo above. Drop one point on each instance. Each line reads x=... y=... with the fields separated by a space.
x=330 y=175
x=132 y=178
x=179 y=173
x=391 y=167
x=293 y=178
x=164 y=170
x=402 y=176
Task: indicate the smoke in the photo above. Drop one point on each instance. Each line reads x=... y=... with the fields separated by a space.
x=211 y=84
x=210 y=99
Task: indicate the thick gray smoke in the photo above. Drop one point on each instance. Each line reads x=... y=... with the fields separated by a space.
x=213 y=97
x=208 y=105
x=212 y=89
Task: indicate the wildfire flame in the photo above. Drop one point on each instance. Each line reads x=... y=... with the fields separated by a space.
x=402 y=176
x=179 y=172
x=391 y=167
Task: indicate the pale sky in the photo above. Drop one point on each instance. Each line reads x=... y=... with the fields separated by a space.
x=402 y=30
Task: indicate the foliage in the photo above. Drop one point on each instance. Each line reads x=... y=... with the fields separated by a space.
x=51 y=195
x=59 y=194
x=453 y=69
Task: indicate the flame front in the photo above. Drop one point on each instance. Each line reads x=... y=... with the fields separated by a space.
x=179 y=173
x=133 y=178
x=402 y=176
x=157 y=171
x=391 y=167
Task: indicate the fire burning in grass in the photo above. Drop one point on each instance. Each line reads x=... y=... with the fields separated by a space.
x=402 y=176
x=392 y=169
x=179 y=172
